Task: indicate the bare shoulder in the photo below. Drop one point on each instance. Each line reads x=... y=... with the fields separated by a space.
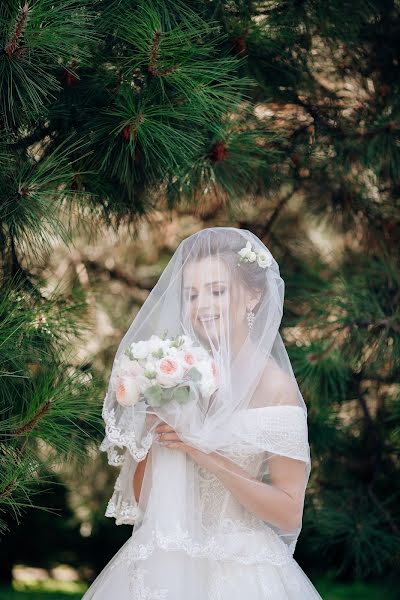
x=276 y=387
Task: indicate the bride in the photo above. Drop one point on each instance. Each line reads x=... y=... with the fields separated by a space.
x=208 y=428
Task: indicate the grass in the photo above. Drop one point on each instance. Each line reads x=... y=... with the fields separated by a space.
x=333 y=590
x=44 y=590
x=56 y=590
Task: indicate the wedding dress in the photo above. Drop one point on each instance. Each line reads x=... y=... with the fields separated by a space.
x=193 y=539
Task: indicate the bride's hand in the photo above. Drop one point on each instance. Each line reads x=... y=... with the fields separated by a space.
x=170 y=439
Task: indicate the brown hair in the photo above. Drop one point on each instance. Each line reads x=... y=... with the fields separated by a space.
x=225 y=245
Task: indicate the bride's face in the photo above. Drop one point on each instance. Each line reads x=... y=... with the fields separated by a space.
x=208 y=299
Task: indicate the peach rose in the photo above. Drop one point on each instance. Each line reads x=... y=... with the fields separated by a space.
x=169 y=372
x=127 y=390
x=189 y=358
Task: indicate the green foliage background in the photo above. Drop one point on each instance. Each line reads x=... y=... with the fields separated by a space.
x=126 y=125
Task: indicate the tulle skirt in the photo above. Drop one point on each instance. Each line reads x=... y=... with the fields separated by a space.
x=175 y=575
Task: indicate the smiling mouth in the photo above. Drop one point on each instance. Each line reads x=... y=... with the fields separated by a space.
x=208 y=319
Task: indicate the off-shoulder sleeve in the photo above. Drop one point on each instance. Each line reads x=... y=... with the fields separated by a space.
x=280 y=429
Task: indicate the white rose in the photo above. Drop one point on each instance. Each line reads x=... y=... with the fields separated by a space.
x=124 y=364
x=173 y=351
x=251 y=256
x=154 y=343
x=264 y=259
x=207 y=387
x=151 y=364
x=187 y=341
x=199 y=352
x=204 y=366
x=129 y=367
x=244 y=252
x=140 y=349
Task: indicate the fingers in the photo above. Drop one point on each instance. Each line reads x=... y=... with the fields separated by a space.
x=177 y=445
x=169 y=437
x=164 y=428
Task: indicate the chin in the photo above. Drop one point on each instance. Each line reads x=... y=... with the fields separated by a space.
x=207 y=339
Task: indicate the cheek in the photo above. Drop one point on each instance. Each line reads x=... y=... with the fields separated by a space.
x=189 y=312
x=237 y=309
x=225 y=307
x=193 y=311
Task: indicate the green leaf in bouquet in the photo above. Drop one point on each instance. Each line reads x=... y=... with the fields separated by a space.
x=181 y=394
x=194 y=374
x=128 y=353
x=153 y=395
x=177 y=341
x=150 y=374
x=164 y=335
x=166 y=395
x=158 y=353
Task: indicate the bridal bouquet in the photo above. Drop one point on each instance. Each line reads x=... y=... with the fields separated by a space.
x=160 y=370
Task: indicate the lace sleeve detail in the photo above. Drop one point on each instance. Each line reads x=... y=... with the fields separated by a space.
x=277 y=429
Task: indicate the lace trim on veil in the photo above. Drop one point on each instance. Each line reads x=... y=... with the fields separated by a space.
x=116 y=437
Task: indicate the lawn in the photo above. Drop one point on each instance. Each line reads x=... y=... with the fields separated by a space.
x=332 y=590
x=56 y=590
x=44 y=590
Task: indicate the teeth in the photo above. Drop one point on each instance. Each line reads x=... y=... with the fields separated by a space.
x=205 y=319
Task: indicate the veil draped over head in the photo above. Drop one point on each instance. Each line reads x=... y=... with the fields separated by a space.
x=205 y=356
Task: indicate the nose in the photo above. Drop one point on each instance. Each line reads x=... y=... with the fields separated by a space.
x=203 y=302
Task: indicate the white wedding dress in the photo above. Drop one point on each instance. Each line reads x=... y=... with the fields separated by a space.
x=234 y=555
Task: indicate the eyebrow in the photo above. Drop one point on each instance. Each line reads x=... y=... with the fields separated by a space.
x=207 y=285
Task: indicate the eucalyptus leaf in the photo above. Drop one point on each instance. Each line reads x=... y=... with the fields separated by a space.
x=153 y=395
x=194 y=374
x=181 y=394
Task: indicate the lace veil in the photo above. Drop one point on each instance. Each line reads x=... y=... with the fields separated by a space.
x=204 y=355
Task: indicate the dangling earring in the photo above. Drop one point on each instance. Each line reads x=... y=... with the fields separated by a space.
x=250 y=318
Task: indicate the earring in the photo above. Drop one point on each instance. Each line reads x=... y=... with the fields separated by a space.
x=250 y=318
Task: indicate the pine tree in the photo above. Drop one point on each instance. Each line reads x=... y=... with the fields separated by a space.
x=103 y=106
x=281 y=117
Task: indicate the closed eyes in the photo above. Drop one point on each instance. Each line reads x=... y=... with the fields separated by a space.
x=214 y=293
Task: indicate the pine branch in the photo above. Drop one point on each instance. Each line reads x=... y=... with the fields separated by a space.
x=388 y=516
x=29 y=426
x=153 y=59
x=13 y=45
x=283 y=202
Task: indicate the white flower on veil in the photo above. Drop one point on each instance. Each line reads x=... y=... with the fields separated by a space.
x=247 y=254
x=264 y=259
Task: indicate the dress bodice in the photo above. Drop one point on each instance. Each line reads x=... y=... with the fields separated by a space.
x=218 y=505
x=257 y=434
